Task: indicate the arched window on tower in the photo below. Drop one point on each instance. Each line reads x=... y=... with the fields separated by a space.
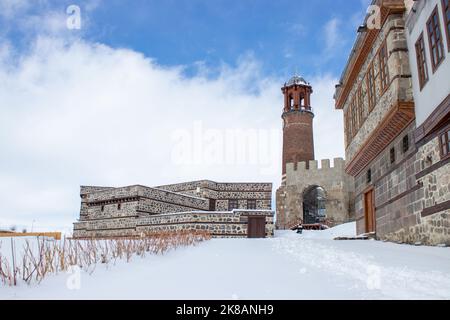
x=302 y=102
x=291 y=102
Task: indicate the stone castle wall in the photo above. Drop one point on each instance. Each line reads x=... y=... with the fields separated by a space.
x=107 y=212
x=430 y=216
x=337 y=184
x=409 y=194
x=219 y=224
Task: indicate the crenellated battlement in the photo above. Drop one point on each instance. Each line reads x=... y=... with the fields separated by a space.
x=313 y=165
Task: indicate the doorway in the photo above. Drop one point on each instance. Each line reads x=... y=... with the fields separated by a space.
x=256 y=227
x=369 y=211
x=314 y=205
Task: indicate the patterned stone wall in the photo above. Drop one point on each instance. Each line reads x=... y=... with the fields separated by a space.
x=219 y=224
x=126 y=211
x=223 y=192
x=337 y=184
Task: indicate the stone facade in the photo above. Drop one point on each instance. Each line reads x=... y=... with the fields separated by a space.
x=401 y=177
x=203 y=205
x=300 y=178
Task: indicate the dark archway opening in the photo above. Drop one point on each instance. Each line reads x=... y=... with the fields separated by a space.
x=314 y=199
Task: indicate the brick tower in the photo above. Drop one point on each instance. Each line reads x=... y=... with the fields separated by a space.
x=298 y=141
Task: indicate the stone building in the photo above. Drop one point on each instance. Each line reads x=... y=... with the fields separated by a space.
x=308 y=194
x=395 y=164
x=223 y=209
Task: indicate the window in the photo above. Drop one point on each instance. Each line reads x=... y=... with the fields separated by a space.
x=369 y=176
x=445 y=143
x=251 y=204
x=360 y=106
x=392 y=156
x=102 y=208
x=384 y=68
x=421 y=62
x=371 y=87
x=405 y=143
x=435 y=39
x=233 y=204
x=347 y=127
x=446 y=7
x=354 y=114
x=119 y=206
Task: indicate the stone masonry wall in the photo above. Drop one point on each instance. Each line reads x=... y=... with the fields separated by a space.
x=337 y=184
x=118 y=211
x=219 y=224
x=400 y=88
x=404 y=190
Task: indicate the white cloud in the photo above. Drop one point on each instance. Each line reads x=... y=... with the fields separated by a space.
x=10 y=8
x=84 y=113
x=331 y=30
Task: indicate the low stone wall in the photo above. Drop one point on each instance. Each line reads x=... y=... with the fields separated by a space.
x=219 y=224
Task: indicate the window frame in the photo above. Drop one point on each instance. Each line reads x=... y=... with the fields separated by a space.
x=354 y=115
x=230 y=201
x=446 y=21
x=347 y=124
x=405 y=144
x=371 y=86
x=360 y=103
x=445 y=134
x=369 y=176
x=392 y=156
x=253 y=202
x=439 y=42
x=422 y=65
x=383 y=67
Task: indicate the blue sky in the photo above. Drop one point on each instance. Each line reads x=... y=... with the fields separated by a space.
x=309 y=37
x=157 y=92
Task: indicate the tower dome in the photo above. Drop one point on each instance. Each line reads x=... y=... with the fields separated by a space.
x=297 y=80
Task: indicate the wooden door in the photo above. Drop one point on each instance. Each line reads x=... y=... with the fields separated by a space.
x=369 y=211
x=212 y=205
x=256 y=227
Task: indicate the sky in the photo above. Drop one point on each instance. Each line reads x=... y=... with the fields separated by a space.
x=156 y=92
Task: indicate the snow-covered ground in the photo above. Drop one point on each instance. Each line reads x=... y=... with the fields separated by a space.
x=290 y=266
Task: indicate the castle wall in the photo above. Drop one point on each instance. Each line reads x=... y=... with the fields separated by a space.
x=337 y=184
x=428 y=208
x=128 y=211
x=219 y=224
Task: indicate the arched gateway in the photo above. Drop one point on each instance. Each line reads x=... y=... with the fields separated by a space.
x=314 y=205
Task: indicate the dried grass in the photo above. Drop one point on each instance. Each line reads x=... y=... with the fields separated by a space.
x=43 y=257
